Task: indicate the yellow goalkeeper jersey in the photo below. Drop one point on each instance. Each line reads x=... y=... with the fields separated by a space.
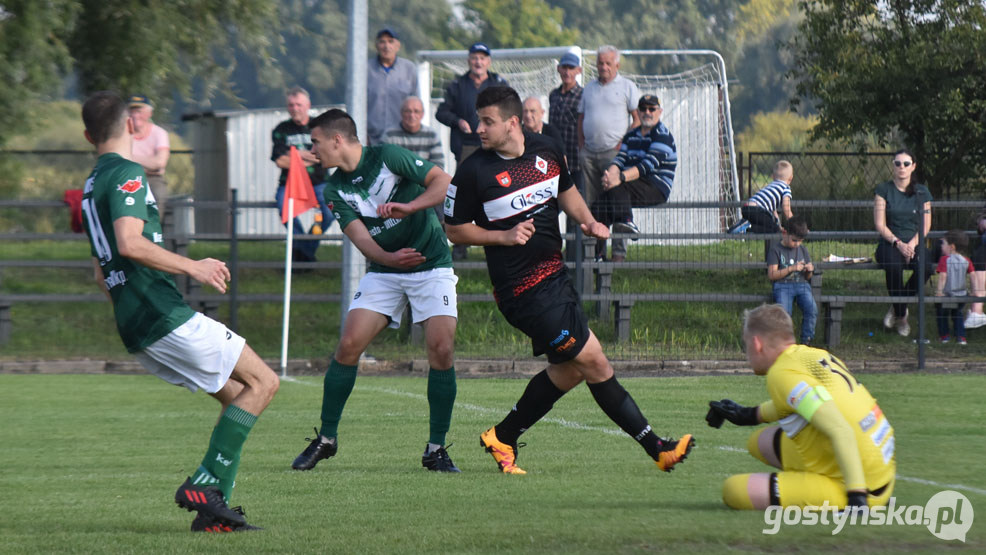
x=800 y=380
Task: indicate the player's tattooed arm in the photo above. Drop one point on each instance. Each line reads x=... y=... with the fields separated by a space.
x=402 y=258
x=132 y=244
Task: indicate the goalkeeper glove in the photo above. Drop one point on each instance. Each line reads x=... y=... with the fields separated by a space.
x=729 y=410
x=856 y=499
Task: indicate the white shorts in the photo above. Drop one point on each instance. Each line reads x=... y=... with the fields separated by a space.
x=199 y=354
x=431 y=293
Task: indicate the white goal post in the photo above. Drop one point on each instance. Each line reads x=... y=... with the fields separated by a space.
x=696 y=110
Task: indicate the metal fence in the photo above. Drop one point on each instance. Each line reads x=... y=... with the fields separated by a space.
x=676 y=296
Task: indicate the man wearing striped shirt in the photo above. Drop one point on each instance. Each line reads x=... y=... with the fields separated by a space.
x=641 y=175
x=420 y=139
x=761 y=209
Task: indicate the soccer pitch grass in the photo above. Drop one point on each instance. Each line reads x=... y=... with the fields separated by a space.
x=90 y=464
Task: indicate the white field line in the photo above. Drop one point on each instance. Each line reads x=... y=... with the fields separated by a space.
x=610 y=431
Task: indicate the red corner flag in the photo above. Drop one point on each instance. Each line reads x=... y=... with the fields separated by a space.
x=298 y=187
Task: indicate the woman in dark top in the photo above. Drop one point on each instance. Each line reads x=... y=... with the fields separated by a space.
x=897 y=209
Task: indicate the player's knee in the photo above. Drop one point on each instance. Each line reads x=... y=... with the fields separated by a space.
x=272 y=383
x=441 y=352
x=348 y=351
x=761 y=445
x=747 y=491
x=752 y=444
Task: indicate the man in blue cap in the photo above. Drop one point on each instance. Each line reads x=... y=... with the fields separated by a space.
x=389 y=81
x=458 y=110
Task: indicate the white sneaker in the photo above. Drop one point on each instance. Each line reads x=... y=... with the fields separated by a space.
x=889 y=320
x=975 y=320
x=903 y=328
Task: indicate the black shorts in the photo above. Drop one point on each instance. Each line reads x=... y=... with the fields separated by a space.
x=551 y=315
x=979 y=255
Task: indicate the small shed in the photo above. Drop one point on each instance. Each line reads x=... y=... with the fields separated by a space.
x=232 y=150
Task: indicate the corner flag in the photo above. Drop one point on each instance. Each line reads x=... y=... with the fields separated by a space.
x=298 y=188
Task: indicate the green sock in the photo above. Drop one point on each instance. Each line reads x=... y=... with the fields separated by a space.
x=338 y=384
x=441 y=398
x=222 y=460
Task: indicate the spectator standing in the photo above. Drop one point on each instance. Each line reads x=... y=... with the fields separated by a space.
x=952 y=270
x=420 y=139
x=761 y=209
x=458 y=110
x=898 y=206
x=390 y=80
x=151 y=148
x=563 y=112
x=789 y=267
x=534 y=122
x=641 y=175
x=294 y=132
x=608 y=108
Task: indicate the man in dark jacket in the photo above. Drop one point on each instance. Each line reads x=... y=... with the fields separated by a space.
x=458 y=111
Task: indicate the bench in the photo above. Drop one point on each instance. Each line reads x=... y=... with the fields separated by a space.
x=834 y=305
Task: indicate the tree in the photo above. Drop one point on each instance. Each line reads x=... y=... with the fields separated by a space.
x=33 y=57
x=183 y=47
x=518 y=23
x=908 y=72
x=315 y=37
x=180 y=47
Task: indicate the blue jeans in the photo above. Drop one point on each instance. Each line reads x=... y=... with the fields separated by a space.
x=943 y=315
x=785 y=294
x=307 y=247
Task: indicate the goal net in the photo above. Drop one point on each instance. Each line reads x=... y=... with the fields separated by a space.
x=691 y=85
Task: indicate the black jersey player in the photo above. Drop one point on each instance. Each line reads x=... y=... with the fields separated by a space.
x=506 y=197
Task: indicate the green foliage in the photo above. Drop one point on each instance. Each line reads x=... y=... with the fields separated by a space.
x=33 y=57
x=315 y=38
x=649 y=24
x=776 y=131
x=518 y=23
x=183 y=47
x=757 y=18
x=761 y=68
x=908 y=72
x=161 y=48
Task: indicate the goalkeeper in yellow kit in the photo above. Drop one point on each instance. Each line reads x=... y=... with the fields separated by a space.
x=832 y=442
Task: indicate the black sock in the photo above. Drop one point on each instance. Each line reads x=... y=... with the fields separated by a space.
x=621 y=409
x=536 y=401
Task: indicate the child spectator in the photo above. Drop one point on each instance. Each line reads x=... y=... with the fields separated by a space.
x=952 y=269
x=789 y=267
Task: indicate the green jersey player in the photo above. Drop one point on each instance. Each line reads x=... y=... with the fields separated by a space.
x=169 y=339
x=382 y=197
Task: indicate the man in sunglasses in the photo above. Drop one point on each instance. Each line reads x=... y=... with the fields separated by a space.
x=641 y=175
